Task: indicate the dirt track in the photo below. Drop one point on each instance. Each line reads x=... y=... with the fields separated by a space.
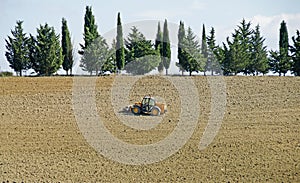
x=259 y=140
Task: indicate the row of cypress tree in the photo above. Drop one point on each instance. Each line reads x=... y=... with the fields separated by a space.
x=243 y=52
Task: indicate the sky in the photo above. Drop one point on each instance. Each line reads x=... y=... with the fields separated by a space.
x=223 y=15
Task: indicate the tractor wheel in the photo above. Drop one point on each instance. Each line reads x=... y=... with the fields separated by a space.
x=136 y=110
x=155 y=111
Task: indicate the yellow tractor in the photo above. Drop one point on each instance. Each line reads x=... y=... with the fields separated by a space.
x=148 y=105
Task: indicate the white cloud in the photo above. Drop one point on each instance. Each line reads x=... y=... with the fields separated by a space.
x=269 y=26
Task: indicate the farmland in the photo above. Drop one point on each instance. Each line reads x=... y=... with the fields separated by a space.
x=258 y=141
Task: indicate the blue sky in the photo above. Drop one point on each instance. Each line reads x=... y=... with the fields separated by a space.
x=223 y=15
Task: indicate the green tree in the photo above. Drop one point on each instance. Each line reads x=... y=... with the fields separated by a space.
x=141 y=57
x=243 y=33
x=166 y=48
x=224 y=58
x=204 y=49
x=159 y=46
x=90 y=29
x=181 y=58
x=295 y=50
x=212 y=61
x=120 y=53
x=45 y=51
x=280 y=60
x=191 y=52
x=17 y=53
x=95 y=56
x=111 y=62
x=284 y=62
x=274 y=62
x=67 y=48
x=259 y=53
x=237 y=56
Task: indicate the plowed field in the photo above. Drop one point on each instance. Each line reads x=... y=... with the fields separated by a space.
x=258 y=140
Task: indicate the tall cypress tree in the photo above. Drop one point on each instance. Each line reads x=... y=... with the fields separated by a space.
x=284 y=62
x=159 y=47
x=120 y=52
x=204 y=49
x=295 y=50
x=90 y=29
x=166 y=51
x=279 y=61
x=180 y=56
x=67 y=48
x=17 y=49
x=212 y=62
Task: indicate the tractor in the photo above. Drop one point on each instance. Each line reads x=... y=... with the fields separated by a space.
x=149 y=106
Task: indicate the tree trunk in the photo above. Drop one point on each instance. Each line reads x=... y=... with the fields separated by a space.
x=190 y=73
x=166 y=72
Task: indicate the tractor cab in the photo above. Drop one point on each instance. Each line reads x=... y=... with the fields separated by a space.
x=147 y=104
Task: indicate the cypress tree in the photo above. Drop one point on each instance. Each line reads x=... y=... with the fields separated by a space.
x=279 y=61
x=204 y=49
x=159 y=46
x=120 y=53
x=212 y=49
x=166 y=50
x=181 y=37
x=17 y=49
x=284 y=62
x=90 y=29
x=295 y=50
x=67 y=48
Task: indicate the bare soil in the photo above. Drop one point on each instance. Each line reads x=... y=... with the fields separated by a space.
x=259 y=140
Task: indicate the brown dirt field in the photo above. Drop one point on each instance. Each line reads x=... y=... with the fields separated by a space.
x=259 y=140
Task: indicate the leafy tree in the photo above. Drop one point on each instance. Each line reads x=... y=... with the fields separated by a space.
x=191 y=52
x=243 y=34
x=120 y=53
x=111 y=62
x=180 y=55
x=67 y=48
x=259 y=53
x=17 y=49
x=95 y=56
x=295 y=50
x=45 y=51
x=141 y=57
x=236 y=57
x=204 y=49
x=158 y=47
x=212 y=61
x=166 y=49
x=274 y=61
x=90 y=29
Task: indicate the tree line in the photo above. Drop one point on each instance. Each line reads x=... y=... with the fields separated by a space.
x=242 y=52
